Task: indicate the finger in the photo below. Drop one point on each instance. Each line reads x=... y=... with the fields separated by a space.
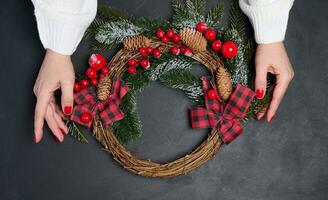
x=40 y=111
x=262 y=113
x=57 y=108
x=67 y=97
x=52 y=124
x=61 y=124
x=278 y=94
x=260 y=81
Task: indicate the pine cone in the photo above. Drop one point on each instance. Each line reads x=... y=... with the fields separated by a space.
x=104 y=88
x=223 y=83
x=136 y=42
x=164 y=49
x=193 y=39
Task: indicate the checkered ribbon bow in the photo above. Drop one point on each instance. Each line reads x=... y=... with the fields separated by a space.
x=225 y=117
x=109 y=111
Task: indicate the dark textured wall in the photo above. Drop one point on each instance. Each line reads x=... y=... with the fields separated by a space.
x=285 y=160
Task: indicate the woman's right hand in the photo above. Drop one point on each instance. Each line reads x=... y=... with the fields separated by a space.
x=56 y=72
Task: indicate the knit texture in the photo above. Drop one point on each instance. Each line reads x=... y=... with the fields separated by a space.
x=268 y=17
x=62 y=23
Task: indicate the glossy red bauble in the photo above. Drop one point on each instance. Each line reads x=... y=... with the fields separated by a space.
x=210 y=34
x=97 y=61
x=144 y=63
x=94 y=82
x=104 y=71
x=143 y=51
x=85 y=118
x=133 y=62
x=188 y=52
x=84 y=83
x=216 y=45
x=91 y=73
x=165 y=39
x=160 y=33
x=175 y=50
x=149 y=50
x=229 y=49
x=157 y=53
x=77 y=87
x=212 y=94
x=170 y=33
x=182 y=49
x=132 y=70
x=201 y=27
x=176 y=38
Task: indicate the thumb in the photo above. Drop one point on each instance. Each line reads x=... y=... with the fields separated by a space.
x=260 y=81
x=67 y=97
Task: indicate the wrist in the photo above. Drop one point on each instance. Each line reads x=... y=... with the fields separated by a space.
x=57 y=56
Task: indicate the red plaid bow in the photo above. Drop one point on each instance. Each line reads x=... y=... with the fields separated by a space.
x=87 y=102
x=228 y=117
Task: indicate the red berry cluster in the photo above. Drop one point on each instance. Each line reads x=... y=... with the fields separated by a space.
x=228 y=49
x=97 y=68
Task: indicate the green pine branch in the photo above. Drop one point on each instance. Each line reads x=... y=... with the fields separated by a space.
x=214 y=16
x=110 y=13
x=75 y=131
x=237 y=20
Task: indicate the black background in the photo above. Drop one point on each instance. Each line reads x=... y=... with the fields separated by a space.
x=287 y=159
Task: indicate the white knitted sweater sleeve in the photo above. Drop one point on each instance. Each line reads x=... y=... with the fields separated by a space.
x=62 y=23
x=268 y=17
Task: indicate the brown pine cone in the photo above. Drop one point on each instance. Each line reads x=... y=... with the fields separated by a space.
x=136 y=42
x=104 y=88
x=223 y=83
x=193 y=39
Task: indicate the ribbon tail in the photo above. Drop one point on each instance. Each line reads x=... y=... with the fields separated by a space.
x=111 y=114
x=228 y=132
x=202 y=118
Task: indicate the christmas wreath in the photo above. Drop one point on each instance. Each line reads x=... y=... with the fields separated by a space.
x=156 y=50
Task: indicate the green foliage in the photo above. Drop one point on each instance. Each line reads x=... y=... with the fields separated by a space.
x=188 y=15
x=75 y=131
x=149 y=26
x=237 y=19
x=214 y=16
x=93 y=28
x=110 y=13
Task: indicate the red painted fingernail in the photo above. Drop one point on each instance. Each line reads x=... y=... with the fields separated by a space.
x=259 y=93
x=272 y=118
x=57 y=139
x=68 y=110
x=34 y=138
x=63 y=131
x=260 y=118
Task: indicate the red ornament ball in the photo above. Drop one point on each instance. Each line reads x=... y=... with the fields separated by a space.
x=160 y=33
x=165 y=39
x=144 y=63
x=170 y=33
x=133 y=62
x=91 y=73
x=176 y=38
x=182 y=49
x=132 y=70
x=188 y=52
x=149 y=50
x=210 y=34
x=77 y=87
x=85 y=118
x=216 y=45
x=104 y=71
x=143 y=51
x=94 y=82
x=84 y=83
x=229 y=49
x=212 y=94
x=201 y=27
x=97 y=61
x=175 y=50
x=157 y=53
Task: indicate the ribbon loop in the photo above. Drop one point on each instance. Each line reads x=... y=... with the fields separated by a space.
x=225 y=117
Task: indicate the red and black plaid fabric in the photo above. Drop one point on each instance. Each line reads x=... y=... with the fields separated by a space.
x=225 y=117
x=87 y=102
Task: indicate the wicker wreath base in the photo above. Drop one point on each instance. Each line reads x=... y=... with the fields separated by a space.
x=104 y=134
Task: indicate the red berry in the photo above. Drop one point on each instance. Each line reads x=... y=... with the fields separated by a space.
x=182 y=49
x=176 y=38
x=188 y=52
x=91 y=73
x=77 y=87
x=84 y=83
x=175 y=50
x=97 y=61
x=85 y=118
x=157 y=53
x=216 y=45
x=149 y=50
x=132 y=70
x=94 y=82
x=229 y=49
x=144 y=63
x=133 y=62
x=201 y=27
x=165 y=39
x=104 y=71
x=143 y=51
x=210 y=34
x=170 y=33
x=212 y=94
x=160 y=33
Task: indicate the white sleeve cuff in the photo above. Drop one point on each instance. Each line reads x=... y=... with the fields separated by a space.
x=269 y=20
